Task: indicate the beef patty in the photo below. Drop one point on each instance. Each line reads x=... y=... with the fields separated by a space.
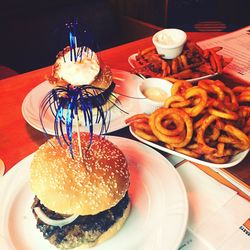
x=85 y=229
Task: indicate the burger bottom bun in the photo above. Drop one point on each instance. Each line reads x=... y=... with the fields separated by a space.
x=116 y=227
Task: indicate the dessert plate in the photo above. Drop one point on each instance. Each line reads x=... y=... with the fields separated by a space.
x=157 y=220
x=236 y=159
x=132 y=60
x=126 y=84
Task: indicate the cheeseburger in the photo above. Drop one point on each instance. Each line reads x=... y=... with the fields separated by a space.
x=79 y=201
x=86 y=70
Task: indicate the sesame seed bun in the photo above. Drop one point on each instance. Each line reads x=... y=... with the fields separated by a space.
x=82 y=186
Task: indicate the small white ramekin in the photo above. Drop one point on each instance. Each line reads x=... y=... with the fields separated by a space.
x=169 y=42
x=147 y=105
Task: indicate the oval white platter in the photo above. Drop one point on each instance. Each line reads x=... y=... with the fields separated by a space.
x=236 y=159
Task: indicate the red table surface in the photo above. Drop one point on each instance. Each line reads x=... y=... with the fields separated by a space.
x=18 y=139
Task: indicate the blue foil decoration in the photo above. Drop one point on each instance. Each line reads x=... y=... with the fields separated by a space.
x=64 y=104
x=72 y=29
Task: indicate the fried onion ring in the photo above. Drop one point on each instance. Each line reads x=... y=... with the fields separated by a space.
x=180 y=140
x=198 y=123
x=176 y=101
x=179 y=87
x=244 y=97
x=138 y=117
x=171 y=118
x=244 y=142
x=201 y=133
x=227 y=139
x=217 y=160
x=215 y=133
x=229 y=115
x=234 y=103
x=183 y=104
x=162 y=113
x=200 y=93
x=240 y=89
x=211 y=88
x=142 y=126
x=145 y=135
x=188 y=152
x=220 y=148
x=221 y=151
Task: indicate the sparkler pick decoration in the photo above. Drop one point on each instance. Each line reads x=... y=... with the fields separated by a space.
x=64 y=103
x=72 y=39
x=78 y=136
x=72 y=105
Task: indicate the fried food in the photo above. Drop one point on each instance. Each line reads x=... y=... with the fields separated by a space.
x=239 y=135
x=242 y=93
x=179 y=87
x=171 y=126
x=198 y=94
x=155 y=120
x=204 y=121
x=192 y=63
x=176 y=101
x=141 y=127
x=201 y=134
x=229 y=115
x=188 y=152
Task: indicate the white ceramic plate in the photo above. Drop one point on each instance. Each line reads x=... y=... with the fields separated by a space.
x=233 y=161
x=132 y=59
x=158 y=218
x=126 y=84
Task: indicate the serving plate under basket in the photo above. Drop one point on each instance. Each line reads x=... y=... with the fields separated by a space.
x=234 y=160
x=132 y=60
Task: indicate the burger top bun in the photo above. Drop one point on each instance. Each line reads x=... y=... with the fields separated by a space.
x=82 y=186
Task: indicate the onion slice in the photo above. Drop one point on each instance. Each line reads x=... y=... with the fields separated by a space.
x=57 y=223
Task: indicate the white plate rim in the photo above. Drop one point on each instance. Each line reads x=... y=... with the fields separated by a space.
x=240 y=157
x=32 y=116
x=117 y=140
x=131 y=58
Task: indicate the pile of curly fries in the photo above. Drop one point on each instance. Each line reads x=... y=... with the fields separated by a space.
x=209 y=121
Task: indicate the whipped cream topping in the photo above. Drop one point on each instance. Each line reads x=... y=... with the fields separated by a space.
x=81 y=72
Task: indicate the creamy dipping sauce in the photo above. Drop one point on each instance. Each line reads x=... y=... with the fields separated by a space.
x=166 y=39
x=155 y=94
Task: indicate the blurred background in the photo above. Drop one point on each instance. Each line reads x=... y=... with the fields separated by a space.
x=32 y=32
